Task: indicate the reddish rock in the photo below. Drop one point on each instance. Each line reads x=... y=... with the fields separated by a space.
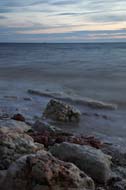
x=49 y=139
x=18 y=117
x=43 y=171
x=14 y=145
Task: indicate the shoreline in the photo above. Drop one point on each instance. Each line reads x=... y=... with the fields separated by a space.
x=97 y=117
x=40 y=138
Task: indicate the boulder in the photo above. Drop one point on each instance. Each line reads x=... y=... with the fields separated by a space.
x=59 y=111
x=42 y=171
x=13 y=146
x=9 y=125
x=90 y=160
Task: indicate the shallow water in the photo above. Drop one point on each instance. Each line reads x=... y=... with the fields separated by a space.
x=96 y=71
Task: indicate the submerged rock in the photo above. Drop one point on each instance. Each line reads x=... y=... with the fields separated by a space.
x=59 y=111
x=75 y=99
x=90 y=160
x=42 y=171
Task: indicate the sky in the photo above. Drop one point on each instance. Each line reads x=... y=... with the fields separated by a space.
x=62 y=21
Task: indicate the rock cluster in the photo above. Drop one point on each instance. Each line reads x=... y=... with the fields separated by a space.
x=42 y=171
x=49 y=139
x=44 y=157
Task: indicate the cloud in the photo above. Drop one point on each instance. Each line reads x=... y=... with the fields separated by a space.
x=65 y=2
x=5 y=10
x=48 y=18
x=102 y=18
x=2 y=17
x=10 y=35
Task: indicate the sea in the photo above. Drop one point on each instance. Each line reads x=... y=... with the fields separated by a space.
x=94 y=72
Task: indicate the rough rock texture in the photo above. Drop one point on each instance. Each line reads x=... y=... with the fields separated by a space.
x=117 y=152
x=42 y=171
x=43 y=126
x=59 y=111
x=120 y=171
x=9 y=125
x=119 y=184
x=49 y=139
x=92 y=161
x=13 y=146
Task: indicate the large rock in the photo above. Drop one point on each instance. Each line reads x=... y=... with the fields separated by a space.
x=59 y=111
x=92 y=161
x=13 y=146
x=42 y=171
x=9 y=125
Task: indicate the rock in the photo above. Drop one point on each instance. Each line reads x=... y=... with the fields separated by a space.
x=120 y=171
x=59 y=111
x=2 y=175
x=13 y=146
x=9 y=125
x=90 y=160
x=100 y=188
x=27 y=98
x=43 y=126
x=42 y=171
x=51 y=138
x=4 y=116
x=120 y=185
x=117 y=151
x=18 y=117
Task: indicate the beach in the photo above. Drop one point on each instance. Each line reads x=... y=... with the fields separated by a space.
x=62 y=103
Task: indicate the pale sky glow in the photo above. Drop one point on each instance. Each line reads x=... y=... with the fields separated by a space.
x=62 y=20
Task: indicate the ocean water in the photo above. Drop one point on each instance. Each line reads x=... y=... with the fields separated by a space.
x=93 y=70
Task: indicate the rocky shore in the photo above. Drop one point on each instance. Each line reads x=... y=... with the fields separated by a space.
x=40 y=156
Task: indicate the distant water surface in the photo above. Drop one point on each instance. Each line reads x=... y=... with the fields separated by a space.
x=90 y=70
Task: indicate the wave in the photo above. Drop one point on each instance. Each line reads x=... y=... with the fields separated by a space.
x=75 y=99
